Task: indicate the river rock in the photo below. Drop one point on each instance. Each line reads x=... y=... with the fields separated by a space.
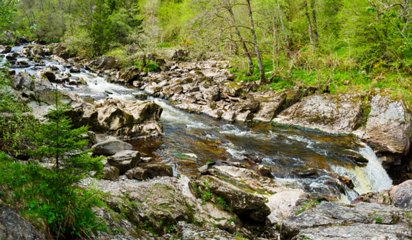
x=61 y=51
x=5 y=49
x=124 y=160
x=13 y=226
x=110 y=147
x=329 y=113
x=125 y=118
x=105 y=63
x=48 y=74
x=270 y=106
x=23 y=81
x=148 y=171
x=128 y=75
x=388 y=128
x=401 y=195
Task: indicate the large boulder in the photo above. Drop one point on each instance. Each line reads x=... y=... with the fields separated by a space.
x=329 y=113
x=388 y=129
x=111 y=147
x=13 y=226
x=128 y=119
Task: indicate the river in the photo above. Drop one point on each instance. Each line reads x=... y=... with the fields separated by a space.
x=299 y=156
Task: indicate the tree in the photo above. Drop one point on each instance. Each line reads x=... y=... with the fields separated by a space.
x=255 y=43
x=58 y=139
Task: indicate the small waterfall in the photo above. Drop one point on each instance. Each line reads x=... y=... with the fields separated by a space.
x=372 y=178
x=377 y=175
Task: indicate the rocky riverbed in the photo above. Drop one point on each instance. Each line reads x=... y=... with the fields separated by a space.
x=170 y=174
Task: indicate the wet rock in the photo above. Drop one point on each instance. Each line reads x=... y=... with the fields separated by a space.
x=13 y=226
x=21 y=64
x=124 y=160
x=48 y=74
x=5 y=49
x=111 y=173
x=75 y=69
x=335 y=114
x=402 y=195
x=140 y=96
x=110 y=147
x=388 y=128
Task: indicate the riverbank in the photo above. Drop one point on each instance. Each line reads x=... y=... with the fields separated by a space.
x=235 y=198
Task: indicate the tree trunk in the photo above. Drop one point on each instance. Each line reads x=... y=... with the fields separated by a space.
x=258 y=55
x=242 y=41
x=309 y=22
x=315 y=23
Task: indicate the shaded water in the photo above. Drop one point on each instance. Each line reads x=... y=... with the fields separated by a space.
x=191 y=140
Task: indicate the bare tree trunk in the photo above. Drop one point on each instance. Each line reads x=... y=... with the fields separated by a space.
x=309 y=21
x=315 y=23
x=258 y=55
x=242 y=40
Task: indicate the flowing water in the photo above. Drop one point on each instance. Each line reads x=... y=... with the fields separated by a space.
x=190 y=140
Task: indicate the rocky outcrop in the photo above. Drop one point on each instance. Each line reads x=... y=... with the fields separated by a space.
x=328 y=113
x=359 y=221
x=127 y=119
x=388 y=128
x=13 y=227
